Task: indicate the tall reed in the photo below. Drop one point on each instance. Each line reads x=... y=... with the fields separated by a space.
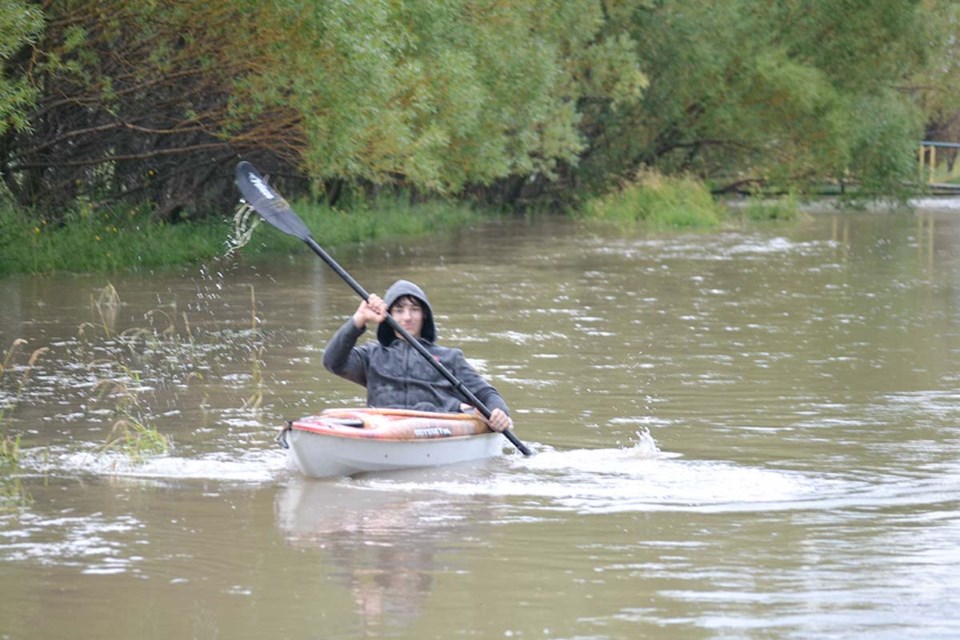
x=13 y=493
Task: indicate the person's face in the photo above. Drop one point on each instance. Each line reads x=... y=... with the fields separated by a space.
x=408 y=312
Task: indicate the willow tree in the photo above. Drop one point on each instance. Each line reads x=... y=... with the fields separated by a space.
x=152 y=102
x=937 y=84
x=20 y=25
x=440 y=95
x=784 y=94
x=133 y=103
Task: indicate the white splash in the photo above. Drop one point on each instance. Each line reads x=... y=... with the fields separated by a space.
x=256 y=466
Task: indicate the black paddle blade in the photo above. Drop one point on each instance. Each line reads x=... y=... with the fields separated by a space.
x=268 y=203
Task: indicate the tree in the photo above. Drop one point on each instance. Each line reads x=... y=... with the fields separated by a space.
x=152 y=102
x=782 y=94
x=439 y=95
x=20 y=25
x=937 y=84
x=133 y=102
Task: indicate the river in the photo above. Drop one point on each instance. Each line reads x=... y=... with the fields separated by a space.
x=751 y=433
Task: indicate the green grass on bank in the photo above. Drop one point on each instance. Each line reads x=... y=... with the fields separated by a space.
x=670 y=202
x=759 y=209
x=111 y=241
x=660 y=202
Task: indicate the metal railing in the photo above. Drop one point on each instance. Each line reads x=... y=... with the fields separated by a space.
x=928 y=158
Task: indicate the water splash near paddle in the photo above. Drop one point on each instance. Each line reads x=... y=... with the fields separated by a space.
x=621 y=460
x=245 y=221
x=637 y=478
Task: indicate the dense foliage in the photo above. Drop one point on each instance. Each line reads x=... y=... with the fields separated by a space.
x=108 y=102
x=788 y=93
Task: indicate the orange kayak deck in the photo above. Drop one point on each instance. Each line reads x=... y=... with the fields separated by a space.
x=391 y=424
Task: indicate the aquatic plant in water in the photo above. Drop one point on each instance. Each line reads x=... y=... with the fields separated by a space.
x=134 y=367
x=12 y=491
x=256 y=356
x=131 y=432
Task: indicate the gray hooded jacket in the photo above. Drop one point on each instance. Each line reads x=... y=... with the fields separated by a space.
x=395 y=374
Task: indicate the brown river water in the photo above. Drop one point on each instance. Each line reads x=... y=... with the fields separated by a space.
x=752 y=433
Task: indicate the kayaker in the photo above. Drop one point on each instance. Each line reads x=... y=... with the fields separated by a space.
x=395 y=375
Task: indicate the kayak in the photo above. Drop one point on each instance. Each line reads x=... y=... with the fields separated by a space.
x=345 y=442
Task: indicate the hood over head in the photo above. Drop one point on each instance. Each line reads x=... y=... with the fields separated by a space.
x=396 y=291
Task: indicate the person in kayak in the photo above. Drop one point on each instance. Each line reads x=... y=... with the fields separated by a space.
x=395 y=375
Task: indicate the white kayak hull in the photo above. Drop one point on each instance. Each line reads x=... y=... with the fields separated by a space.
x=325 y=446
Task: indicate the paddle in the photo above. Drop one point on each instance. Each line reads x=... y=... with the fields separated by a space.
x=275 y=210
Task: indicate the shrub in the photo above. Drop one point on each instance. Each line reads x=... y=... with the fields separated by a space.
x=661 y=201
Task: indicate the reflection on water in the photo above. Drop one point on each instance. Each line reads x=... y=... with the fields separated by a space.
x=750 y=433
x=381 y=546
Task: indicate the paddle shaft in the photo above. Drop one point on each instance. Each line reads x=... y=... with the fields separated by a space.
x=403 y=333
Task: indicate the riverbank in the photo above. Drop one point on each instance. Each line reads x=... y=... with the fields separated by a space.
x=109 y=241
x=113 y=241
